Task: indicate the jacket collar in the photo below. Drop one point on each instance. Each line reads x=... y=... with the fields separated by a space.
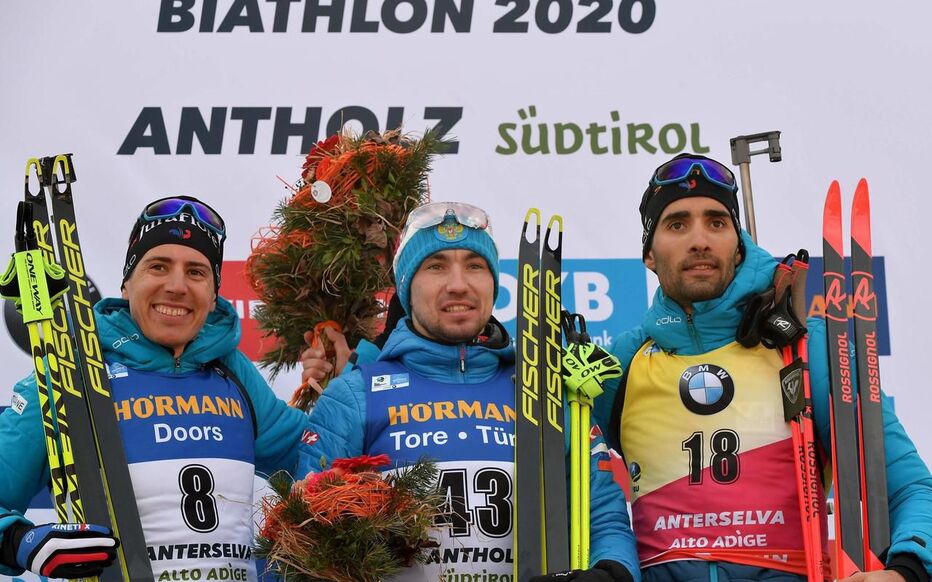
x=123 y=340
x=466 y=363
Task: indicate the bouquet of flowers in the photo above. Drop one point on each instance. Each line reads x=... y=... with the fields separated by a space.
x=327 y=257
x=349 y=523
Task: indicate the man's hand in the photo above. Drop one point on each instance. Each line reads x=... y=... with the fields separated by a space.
x=314 y=364
x=60 y=550
x=876 y=576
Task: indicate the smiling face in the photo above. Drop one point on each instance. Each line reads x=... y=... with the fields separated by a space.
x=694 y=250
x=170 y=294
x=452 y=296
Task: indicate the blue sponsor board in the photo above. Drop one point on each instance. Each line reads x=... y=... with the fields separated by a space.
x=610 y=293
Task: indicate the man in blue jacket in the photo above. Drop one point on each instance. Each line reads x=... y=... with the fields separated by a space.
x=188 y=427
x=700 y=418
x=442 y=387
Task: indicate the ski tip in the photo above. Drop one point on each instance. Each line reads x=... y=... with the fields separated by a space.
x=831 y=218
x=33 y=162
x=861 y=216
x=833 y=196
x=862 y=197
x=64 y=160
x=532 y=212
x=557 y=220
x=30 y=164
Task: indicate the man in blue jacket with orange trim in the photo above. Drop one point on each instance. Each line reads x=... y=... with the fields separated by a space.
x=196 y=417
x=443 y=387
x=700 y=417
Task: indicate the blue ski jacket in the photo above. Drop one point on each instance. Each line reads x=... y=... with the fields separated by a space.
x=714 y=324
x=24 y=467
x=340 y=414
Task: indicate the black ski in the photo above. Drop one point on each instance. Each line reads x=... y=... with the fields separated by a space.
x=876 y=515
x=528 y=474
x=848 y=541
x=556 y=521
x=105 y=441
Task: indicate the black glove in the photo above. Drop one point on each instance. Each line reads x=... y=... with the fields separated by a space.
x=59 y=550
x=394 y=315
x=603 y=571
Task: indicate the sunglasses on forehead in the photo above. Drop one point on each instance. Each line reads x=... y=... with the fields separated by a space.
x=679 y=169
x=173 y=206
x=436 y=213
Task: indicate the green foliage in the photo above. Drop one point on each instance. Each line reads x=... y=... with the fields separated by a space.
x=329 y=260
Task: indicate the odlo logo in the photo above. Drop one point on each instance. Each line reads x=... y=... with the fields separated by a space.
x=669 y=320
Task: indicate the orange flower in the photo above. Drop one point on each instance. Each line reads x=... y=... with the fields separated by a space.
x=361 y=463
x=273 y=525
x=314 y=481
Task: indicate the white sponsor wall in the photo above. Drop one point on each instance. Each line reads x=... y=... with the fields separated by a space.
x=126 y=85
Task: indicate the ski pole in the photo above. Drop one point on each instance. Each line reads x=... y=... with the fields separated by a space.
x=741 y=156
x=584 y=364
x=34 y=284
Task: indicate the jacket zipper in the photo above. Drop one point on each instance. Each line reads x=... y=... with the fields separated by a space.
x=693 y=332
x=462 y=358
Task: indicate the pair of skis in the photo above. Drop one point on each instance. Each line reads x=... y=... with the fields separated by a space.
x=541 y=524
x=74 y=389
x=862 y=528
x=546 y=539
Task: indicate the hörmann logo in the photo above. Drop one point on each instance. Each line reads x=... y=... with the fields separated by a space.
x=449 y=410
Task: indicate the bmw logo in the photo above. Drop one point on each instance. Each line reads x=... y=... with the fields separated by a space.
x=706 y=389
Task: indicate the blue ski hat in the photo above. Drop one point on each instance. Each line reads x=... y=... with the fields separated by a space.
x=442 y=226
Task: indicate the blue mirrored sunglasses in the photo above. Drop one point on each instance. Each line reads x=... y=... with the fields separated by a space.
x=169 y=207
x=679 y=169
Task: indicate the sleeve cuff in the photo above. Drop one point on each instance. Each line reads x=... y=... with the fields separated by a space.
x=909 y=567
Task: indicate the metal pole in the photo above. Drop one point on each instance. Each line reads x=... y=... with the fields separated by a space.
x=741 y=156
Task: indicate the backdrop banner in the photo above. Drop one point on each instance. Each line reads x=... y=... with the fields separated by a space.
x=566 y=105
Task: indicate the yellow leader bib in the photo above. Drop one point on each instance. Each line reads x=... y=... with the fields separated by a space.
x=711 y=458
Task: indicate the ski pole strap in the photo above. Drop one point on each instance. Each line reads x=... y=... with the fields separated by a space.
x=798 y=289
x=224 y=371
x=586 y=367
x=574 y=327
